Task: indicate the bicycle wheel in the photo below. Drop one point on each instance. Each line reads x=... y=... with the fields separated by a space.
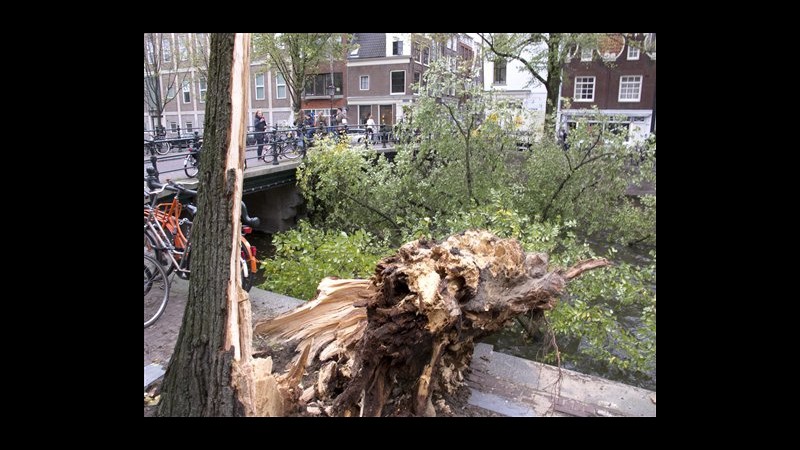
x=191 y=166
x=292 y=151
x=247 y=281
x=151 y=249
x=162 y=148
x=247 y=275
x=156 y=290
x=266 y=155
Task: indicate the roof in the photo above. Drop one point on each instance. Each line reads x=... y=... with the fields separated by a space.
x=371 y=45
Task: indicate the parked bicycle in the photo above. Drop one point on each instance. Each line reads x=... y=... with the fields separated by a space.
x=156 y=290
x=191 y=164
x=167 y=235
x=282 y=144
x=159 y=147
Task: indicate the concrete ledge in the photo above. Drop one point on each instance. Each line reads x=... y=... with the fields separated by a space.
x=518 y=387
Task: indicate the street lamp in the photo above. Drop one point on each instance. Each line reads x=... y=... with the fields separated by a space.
x=331 y=92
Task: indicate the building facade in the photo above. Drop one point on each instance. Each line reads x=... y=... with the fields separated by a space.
x=618 y=77
x=511 y=80
x=384 y=66
x=375 y=78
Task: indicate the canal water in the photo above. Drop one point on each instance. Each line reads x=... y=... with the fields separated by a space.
x=513 y=339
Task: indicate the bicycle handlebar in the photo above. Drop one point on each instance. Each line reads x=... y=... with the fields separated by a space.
x=179 y=188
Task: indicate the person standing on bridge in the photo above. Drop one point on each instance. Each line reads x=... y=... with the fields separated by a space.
x=370 y=127
x=260 y=126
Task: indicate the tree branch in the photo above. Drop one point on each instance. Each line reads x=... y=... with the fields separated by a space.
x=528 y=65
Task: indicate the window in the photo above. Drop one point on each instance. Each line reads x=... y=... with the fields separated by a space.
x=416 y=77
x=280 y=83
x=633 y=52
x=151 y=52
x=584 y=89
x=465 y=53
x=630 y=88
x=586 y=54
x=364 y=82
x=170 y=92
x=187 y=92
x=165 y=49
x=500 y=71
x=415 y=53
x=650 y=43
x=201 y=40
x=203 y=88
x=183 y=51
x=260 y=86
x=173 y=126
x=426 y=55
x=188 y=127
x=398 y=82
x=363 y=112
x=397 y=47
x=317 y=85
x=386 y=115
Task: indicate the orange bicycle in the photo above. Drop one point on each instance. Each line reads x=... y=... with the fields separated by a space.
x=167 y=234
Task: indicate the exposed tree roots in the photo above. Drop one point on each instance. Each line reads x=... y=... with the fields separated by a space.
x=384 y=346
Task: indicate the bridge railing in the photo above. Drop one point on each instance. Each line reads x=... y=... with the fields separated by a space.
x=302 y=137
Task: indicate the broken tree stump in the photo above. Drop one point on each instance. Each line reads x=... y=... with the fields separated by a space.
x=383 y=346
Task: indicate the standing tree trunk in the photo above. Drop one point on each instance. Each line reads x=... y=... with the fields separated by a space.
x=210 y=373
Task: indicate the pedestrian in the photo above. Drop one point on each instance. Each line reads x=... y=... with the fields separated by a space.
x=260 y=127
x=370 y=126
x=562 y=137
x=339 y=117
x=308 y=125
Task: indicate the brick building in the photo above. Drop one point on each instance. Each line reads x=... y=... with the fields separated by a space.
x=618 y=77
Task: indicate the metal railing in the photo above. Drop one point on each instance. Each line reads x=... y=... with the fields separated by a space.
x=276 y=136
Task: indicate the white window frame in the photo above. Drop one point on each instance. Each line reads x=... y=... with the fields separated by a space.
x=202 y=87
x=584 y=81
x=278 y=87
x=422 y=55
x=201 y=41
x=494 y=74
x=151 y=52
x=170 y=92
x=586 y=54
x=173 y=126
x=633 y=53
x=261 y=86
x=183 y=50
x=630 y=84
x=361 y=83
x=188 y=128
x=166 y=50
x=187 y=90
x=390 y=82
x=400 y=47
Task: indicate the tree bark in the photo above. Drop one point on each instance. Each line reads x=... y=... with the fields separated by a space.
x=386 y=346
x=210 y=373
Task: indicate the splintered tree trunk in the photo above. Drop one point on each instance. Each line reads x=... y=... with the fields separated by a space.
x=210 y=372
x=384 y=346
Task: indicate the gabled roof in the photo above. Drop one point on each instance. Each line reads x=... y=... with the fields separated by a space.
x=371 y=45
